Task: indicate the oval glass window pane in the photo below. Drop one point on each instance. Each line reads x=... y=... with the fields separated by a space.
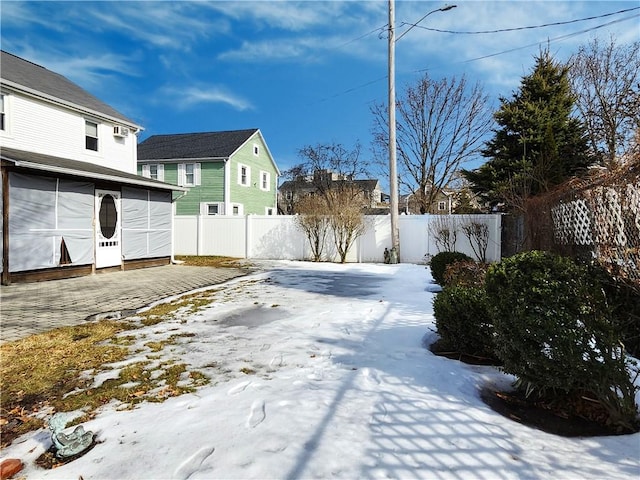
x=108 y=216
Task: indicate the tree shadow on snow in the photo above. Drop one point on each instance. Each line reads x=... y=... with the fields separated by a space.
x=428 y=419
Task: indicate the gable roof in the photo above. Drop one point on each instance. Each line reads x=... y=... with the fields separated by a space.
x=33 y=79
x=193 y=145
x=75 y=168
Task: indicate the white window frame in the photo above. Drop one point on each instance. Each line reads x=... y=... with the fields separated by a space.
x=288 y=195
x=146 y=171
x=442 y=205
x=204 y=208
x=247 y=175
x=240 y=208
x=182 y=174
x=265 y=177
x=4 y=112
x=87 y=135
x=256 y=149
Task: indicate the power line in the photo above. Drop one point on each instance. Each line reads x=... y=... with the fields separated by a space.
x=522 y=28
x=563 y=37
x=380 y=30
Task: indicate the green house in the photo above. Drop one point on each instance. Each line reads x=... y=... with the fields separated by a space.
x=227 y=173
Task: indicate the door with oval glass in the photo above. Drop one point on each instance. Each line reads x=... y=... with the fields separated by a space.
x=107 y=229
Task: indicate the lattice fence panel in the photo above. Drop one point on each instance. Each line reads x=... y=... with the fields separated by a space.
x=602 y=215
x=572 y=223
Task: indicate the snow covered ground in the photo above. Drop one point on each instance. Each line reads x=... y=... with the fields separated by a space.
x=320 y=371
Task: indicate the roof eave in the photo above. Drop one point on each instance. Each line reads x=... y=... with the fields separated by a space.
x=94 y=175
x=273 y=162
x=73 y=106
x=182 y=160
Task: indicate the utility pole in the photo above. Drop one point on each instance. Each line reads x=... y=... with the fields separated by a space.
x=394 y=256
x=393 y=175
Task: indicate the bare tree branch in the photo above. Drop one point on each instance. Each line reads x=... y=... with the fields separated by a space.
x=440 y=126
x=606 y=81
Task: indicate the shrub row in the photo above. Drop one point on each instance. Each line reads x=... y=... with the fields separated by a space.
x=548 y=320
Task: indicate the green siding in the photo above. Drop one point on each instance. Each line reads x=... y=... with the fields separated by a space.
x=253 y=199
x=211 y=188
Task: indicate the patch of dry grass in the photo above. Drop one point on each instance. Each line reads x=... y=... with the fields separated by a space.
x=56 y=370
x=212 y=261
x=36 y=372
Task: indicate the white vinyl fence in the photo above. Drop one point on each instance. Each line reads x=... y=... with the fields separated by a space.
x=271 y=237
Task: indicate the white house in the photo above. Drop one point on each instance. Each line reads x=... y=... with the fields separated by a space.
x=71 y=201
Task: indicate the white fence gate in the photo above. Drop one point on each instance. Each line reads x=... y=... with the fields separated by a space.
x=271 y=237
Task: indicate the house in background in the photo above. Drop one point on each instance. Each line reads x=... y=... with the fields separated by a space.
x=291 y=191
x=226 y=173
x=447 y=201
x=72 y=203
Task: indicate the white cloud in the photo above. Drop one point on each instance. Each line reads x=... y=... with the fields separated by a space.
x=87 y=70
x=500 y=59
x=20 y=13
x=175 y=25
x=264 y=51
x=292 y=16
x=198 y=94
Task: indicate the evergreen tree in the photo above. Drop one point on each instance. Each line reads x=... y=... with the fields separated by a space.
x=538 y=143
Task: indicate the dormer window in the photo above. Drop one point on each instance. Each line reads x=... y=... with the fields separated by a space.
x=91 y=135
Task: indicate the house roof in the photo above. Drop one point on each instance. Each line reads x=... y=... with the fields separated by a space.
x=193 y=145
x=75 y=168
x=31 y=78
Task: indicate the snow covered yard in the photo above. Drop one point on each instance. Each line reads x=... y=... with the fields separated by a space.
x=321 y=371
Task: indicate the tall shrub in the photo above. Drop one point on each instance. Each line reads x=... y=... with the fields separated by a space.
x=554 y=333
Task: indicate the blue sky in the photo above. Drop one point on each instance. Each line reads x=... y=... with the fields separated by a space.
x=304 y=72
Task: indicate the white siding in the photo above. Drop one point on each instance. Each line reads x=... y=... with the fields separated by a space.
x=41 y=127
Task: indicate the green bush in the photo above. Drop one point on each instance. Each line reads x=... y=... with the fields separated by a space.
x=553 y=332
x=462 y=320
x=623 y=301
x=465 y=274
x=440 y=261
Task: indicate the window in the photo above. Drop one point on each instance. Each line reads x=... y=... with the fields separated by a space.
x=244 y=175
x=237 y=209
x=189 y=174
x=91 y=135
x=256 y=150
x=153 y=170
x=288 y=195
x=269 y=211
x=212 y=209
x=2 y=112
x=442 y=205
x=265 y=181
